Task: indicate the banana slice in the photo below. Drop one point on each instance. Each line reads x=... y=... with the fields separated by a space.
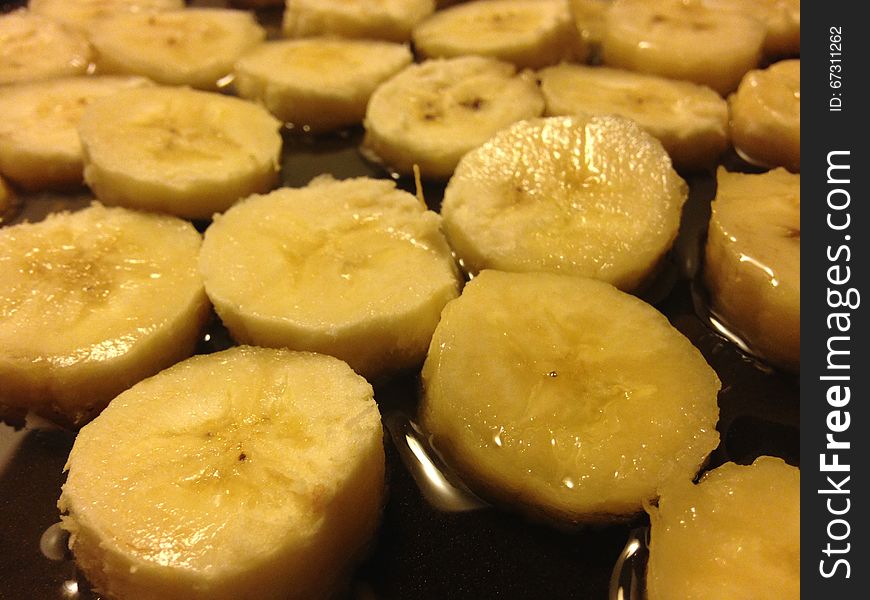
x=736 y=534
x=590 y=18
x=195 y=47
x=82 y=14
x=178 y=151
x=766 y=116
x=356 y=269
x=781 y=18
x=33 y=47
x=318 y=84
x=93 y=302
x=390 y=20
x=564 y=396
x=589 y=196
x=39 y=140
x=691 y=121
x=250 y=473
x=683 y=39
x=432 y=113
x=527 y=33
x=753 y=259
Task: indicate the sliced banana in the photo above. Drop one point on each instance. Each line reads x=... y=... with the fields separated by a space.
x=683 y=39
x=82 y=14
x=753 y=259
x=91 y=303
x=527 y=33
x=390 y=20
x=178 y=151
x=39 y=140
x=432 y=113
x=33 y=47
x=196 y=47
x=781 y=18
x=766 y=116
x=589 y=196
x=250 y=473
x=318 y=84
x=356 y=269
x=590 y=18
x=564 y=396
x=736 y=534
x=691 y=121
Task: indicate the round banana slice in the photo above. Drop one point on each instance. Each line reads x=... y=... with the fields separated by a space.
x=81 y=14
x=589 y=196
x=356 y=269
x=91 y=303
x=691 y=121
x=781 y=18
x=736 y=534
x=432 y=113
x=564 y=396
x=178 y=151
x=195 y=47
x=33 y=47
x=250 y=473
x=683 y=39
x=527 y=33
x=753 y=259
x=318 y=84
x=39 y=140
x=390 y=20
x=590 y=18
x=766 y=116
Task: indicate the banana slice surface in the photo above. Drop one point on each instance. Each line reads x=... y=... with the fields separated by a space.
x=356 y=269
x=589 y=196
x=590 y=18
x=736 y=534
x=683 y=40
x=82 y=14
x=33 y=47
x=766 y=116
x=432 y=113
x=318 y=84
x=39 y=140
x=179 y=151
x=527 y=33
x=390 y=20
x=249 y=473
x=564 y=396
x=691 y=121
x=753 y=259
x=781 y=19
x=93 y=302
x=195 y=47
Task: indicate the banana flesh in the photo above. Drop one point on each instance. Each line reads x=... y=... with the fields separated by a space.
x=318 y=84
x=430 y=114
x=93 y=302
x=564 y=397
x=179 y=151
x=781 y=19
x=82 y=14
x=389 y=20
x=691 y=121
x=33 y=48
x=250 y=473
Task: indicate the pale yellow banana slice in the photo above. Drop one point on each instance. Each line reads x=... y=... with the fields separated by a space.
x=178 y=151
x=356 y=269
x=691 y=121
x=391 y=20
x=589 y=196
x=195 y=47
x=91 y=303
x=82 y=14
x=736 y=534
x=766 y=116
x=590 y=18
x=250 y=473
x=39 y=140
x=564 y=396
x=781 y=19
x=432 y=113
x=683 y=39
x=527 y=33
x=318 y=84
x=33 y=47
x=753 y=258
